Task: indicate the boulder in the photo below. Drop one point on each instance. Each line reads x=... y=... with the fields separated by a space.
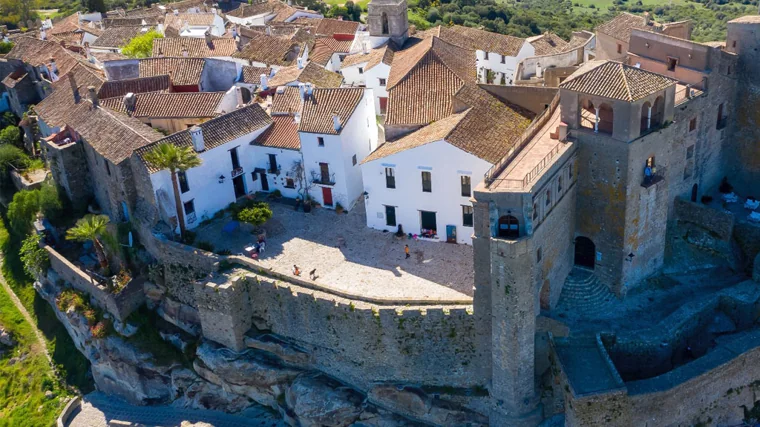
x=6 y=338
x=414 y=403
x=289 y=353
x=315 y=401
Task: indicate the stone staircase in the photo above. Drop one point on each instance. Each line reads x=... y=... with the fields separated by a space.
x=582 y=293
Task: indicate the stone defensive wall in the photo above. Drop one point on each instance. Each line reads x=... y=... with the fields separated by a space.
x=707 y=389
x=120 y=305
x=717 y=222
x=354 y=341
x=357 y=340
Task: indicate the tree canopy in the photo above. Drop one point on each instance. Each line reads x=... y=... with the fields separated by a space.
x=141 y=46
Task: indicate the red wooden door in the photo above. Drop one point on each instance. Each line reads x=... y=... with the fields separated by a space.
x=327 y=196
x=383 y=105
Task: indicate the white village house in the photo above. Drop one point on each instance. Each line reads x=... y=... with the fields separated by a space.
x=423 y=182
x=370 y=68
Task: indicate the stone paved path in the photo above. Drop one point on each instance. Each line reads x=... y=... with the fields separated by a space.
x=41 y=345
x=98 y=409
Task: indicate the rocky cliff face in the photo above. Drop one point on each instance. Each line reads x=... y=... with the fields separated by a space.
x=271 y=373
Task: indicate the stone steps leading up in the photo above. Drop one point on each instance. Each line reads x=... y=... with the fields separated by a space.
x=582 y=293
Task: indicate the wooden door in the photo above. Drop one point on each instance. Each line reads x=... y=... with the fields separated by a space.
x=327 y=196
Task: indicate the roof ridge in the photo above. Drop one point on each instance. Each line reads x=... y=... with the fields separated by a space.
x=625 y=82
x=115 y=116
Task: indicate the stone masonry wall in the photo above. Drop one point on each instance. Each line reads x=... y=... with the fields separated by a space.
x=717 y=222
x=361 y=344
x=225 y=311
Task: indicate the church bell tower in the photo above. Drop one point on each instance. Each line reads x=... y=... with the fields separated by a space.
x=388 y=21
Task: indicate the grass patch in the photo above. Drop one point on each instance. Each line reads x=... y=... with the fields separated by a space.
x=23 y=383
x=71 y=363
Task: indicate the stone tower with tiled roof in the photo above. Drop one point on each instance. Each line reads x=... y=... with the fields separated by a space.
x=387 y=20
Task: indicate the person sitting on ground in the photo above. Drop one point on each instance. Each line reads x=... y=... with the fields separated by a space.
x=296 y=270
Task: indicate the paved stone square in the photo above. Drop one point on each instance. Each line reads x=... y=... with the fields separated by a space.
x=351 y=258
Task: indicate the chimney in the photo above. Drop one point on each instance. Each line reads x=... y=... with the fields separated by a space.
x=309 y=89
x=365 y=47
x=297 y=117
x=539 y=71
x=184 y=51
x=300 y=62
x=196 y=134
x=74 y=88
x=176 y=12
x=302 y=91
x=93 y=95
x=340 y=18
x=43 y=34
x=336 y=121
x=268 y=30
x=239 y=96
x=646 y=18
x=130 y=100
x=234 y=32
x=160 y=53
x=209 y=42
x=53 y=66
x=264 y=85
x=562 y=132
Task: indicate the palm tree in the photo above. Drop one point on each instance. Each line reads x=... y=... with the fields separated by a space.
x=174 y=158
x=91 y=227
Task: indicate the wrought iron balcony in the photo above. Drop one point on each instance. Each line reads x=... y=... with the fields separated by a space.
x=236 y=172
x=324 y=179
x=274 y=169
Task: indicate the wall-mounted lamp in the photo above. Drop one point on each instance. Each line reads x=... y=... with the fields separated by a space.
x=221 y=179
x=630 y=257
x=366 y=195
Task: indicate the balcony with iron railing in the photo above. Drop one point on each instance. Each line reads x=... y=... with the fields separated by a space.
x=236 y=172
x=274 y=168
x=323 y=179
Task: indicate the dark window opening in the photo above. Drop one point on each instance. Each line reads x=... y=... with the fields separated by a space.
x=427 y=182
x=539 y=255
x=692 y=124
x=273 y=167
x=619 y=48
x=721 y=123
x=320 y=141
x=390 y=216
x=384 y=19
x=548 y=197
x=509 y=227
x=353 y=160
x=235 y=158
x=189 y=207
x=467 y=214
x=184 y=187
x=466 y=186
x=290 y=183
x=672 y=62
x=382 y=82
x=390 y=178
x=535 y=211
x=585 y=252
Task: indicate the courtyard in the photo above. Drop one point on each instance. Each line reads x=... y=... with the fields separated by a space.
x=351 y=258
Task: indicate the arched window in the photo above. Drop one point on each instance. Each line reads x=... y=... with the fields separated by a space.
x=384 y=20
x=606 y=118
x=645 y=123
x=658 y=112
x=509 y=227
x=588 y=114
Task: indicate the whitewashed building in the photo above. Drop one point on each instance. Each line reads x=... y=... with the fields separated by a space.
x=370 y=69
x=227 y=169
x=423 y=182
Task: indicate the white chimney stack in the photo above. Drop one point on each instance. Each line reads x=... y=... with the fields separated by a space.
x=207 y=36
x=176 y=12
x=309 y=88
x=130 y=101
x=43 y=34
x=646 y=18
x=302 y=91
x=196 y=134
x=184 y=51
x=300 y=62
x=297 y=117
x=365 y=47
x=336 y=121
x=264 y=80
x=539 y=71
x=239 y=96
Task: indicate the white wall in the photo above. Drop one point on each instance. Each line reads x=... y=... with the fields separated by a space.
x=494 y=63
x=285 y=159
x=446 y=164
x=372 y=80
x=358 y=137
x=351 y=76
x=208 y=194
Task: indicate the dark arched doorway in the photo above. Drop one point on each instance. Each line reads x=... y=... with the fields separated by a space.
x=585 y=252
x=384 y=21
x=509 y=227
x=694 y=190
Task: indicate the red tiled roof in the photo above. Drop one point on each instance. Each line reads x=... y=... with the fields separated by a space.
x=169 y=105
x=115 y=88
x=282 y=134
x=311 y=73
x=183 y=71
x=318 y=108
x=196 y=47
x=330 y=27
x=611 y=79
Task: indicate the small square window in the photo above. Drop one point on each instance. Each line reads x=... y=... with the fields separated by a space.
x=290 y=183
x=539 y=255
x=692 y=124
x=189 y=207
x=619 y=48
x=320 y=141
x=672 y=62
x=427 y=182
x=690 y=152
x=503 y=59
x=361 y=70
x=382 y=82
x=353 y=160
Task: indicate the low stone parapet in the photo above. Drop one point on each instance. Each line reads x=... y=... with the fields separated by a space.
x=718 y=222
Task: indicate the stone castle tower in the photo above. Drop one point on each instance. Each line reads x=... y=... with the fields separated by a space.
x=388 y=21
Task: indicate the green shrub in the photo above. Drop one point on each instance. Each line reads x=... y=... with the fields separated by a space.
x=11 y=135
x=11 y=155
x=70 y=298
x=257 y=214
x=27 y=204
x=35 y=258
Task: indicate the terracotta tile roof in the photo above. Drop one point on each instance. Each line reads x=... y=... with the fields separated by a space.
x=173 y=23
x=122 y=22
x=151 y=12
x=330 y=27
x=423 y=80
x=252 y=74
x=196 y=47
x=74 y=37
x=577 y=40
x=67 y=24
x=218 y=130
x=383 y=54
x=308 y=22
x=37 y=52
x=286 y=100
x=107 y=56
x=54 y=107
x=183 y=71
x=113 y=135
x=311 y=73
x=185 y=5
x=319 y=106
x=325 y=47
x=488 y=129
x=118 y=88
x=258 y=8
x=615 y=80
x=269 y=50
x=12 y=79
x=749 y=19
x=547 y=44
x=169 y=105
x=620 y=27
x=282 y=134
x=475 y=39
x=118 y=36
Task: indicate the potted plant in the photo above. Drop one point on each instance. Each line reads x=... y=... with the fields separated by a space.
x=339 y=208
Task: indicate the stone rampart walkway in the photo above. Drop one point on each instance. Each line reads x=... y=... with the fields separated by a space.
x=98 y=409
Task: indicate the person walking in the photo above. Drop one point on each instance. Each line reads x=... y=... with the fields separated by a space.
x=406 y=251
x=296 y=270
